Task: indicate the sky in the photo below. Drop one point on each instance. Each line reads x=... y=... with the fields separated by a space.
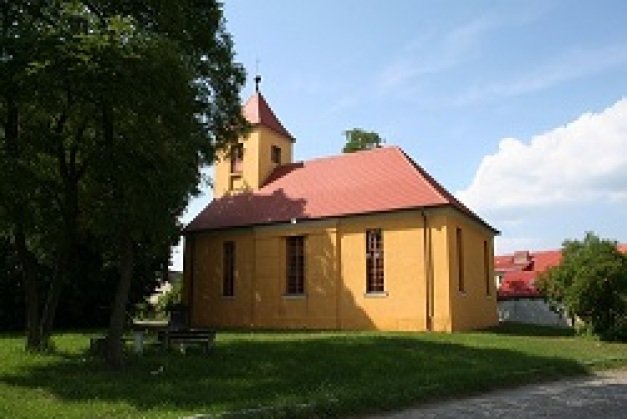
x=517 y=107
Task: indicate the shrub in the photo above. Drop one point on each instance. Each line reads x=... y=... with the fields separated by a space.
x=591 y=282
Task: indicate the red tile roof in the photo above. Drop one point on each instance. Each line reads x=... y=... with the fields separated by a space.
x=546 y=259
x=378 y=180
x=518 y=284
x=258 y=113
x=518 y=279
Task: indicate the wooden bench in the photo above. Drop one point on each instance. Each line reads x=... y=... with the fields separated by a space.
x=184 y=337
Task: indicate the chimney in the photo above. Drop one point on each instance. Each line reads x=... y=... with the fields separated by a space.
x=522 y=257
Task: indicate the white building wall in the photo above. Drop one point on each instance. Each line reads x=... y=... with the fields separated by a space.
x=531 y=311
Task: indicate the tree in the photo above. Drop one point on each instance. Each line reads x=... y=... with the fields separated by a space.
x=591 y=283
x=358 y=139
x=126 y=101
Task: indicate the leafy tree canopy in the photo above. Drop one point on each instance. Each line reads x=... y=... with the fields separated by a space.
x=108 y=109
x=358 y=139
x=591 y=282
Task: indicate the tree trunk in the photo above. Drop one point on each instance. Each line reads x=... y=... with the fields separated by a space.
x=31 y=291
x=50 y=310
x=115 y=355
x=65 y=267
x=33 y=331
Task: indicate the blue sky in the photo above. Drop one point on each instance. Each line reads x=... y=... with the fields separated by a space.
x=516 y=107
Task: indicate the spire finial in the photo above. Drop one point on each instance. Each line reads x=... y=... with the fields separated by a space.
x=257 y=77
x=257 y=82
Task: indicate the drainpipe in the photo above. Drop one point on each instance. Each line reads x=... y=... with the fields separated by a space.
x=190 y=292
x=427 y=272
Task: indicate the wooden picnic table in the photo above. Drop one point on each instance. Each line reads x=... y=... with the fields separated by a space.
x=141 y=328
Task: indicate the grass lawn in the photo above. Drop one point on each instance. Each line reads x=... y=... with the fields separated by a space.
x=290 y=374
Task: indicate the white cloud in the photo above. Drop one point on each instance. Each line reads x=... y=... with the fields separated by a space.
x=582 y=162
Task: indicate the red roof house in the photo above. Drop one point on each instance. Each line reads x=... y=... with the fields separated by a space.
x=517 y=272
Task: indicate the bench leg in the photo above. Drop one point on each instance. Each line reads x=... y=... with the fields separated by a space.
x=138 y=342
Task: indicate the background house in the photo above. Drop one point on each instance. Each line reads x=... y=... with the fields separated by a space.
x=518 y=298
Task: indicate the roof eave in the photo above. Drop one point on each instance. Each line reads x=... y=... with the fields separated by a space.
x=285 y=134
x=186 y=231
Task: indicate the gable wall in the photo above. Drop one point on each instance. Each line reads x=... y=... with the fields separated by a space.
x=474 y=307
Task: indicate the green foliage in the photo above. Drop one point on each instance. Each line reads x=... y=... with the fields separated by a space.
x=317 y=374
x=591 y=282
x=169 y=299
x=358 y=139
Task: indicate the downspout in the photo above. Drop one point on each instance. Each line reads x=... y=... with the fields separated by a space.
x=426 y=244
x=253 y=283
x=338 y=276
x=190 y=292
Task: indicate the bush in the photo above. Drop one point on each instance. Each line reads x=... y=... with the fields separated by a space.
x=168 y=300
x=591 y=282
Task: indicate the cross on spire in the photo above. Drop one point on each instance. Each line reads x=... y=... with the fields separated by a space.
x=257 y=82
x=258 y=76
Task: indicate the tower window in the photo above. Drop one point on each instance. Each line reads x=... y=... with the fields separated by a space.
x=275 y=154
x=237 y=158
x=374 y=261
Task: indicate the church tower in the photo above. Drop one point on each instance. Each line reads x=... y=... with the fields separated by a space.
x=250 y=162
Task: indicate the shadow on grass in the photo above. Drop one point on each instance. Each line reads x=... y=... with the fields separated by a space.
x=521 y=329
x=324 y=375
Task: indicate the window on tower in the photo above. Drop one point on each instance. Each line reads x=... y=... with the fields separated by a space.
x=275 y=154
x=237 y=158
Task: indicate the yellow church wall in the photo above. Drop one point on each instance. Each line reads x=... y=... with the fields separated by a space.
x=207 y=298
x=335 y=276
x=475 y=306
x=316 y=307
x=260 y=299
x=402 y=305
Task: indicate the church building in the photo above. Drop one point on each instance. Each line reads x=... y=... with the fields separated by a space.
x=366 y=240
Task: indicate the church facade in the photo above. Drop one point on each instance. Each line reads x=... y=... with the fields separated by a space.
x=367 y=240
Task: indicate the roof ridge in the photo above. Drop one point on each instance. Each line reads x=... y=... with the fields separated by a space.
x=348 y=155
x=272 y=176
x=441 y=190
x=422 y=173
